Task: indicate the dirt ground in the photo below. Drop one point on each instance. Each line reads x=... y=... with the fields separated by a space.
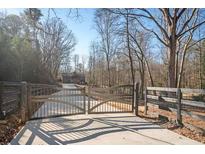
x=9 y=128
x=195 y=134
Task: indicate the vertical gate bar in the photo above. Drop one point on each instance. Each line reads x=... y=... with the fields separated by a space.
x=75 y=111
x=77 y=97
x=73 y=107
x=76 y=92
x=55 y=105
x=70 y=107
x=89 y=99
x=134 y=93
x=64 y=103
x=84 y=105
x=136 y=98
x=71 y=99
x=45 y=105
x=79 y=100
x=37 y=103
x=29 y=101
x=48 y=104
x=115 y=104
x=33 y=105
x=67 y=107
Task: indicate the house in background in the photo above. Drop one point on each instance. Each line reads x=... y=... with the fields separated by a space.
x=74 y=77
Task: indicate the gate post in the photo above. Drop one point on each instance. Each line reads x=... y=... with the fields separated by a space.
x=23 y=106
x=136 y=97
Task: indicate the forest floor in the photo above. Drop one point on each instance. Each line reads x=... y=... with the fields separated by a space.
x=193 y=129
x=9 y=128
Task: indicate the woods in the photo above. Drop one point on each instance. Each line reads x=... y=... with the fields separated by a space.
x=33 y=46
x=156 y=47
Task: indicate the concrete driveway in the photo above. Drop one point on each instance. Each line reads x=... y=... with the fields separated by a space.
x=96 y=129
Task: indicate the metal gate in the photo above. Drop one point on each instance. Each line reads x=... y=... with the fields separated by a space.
x=45 y=101
x=117 y=99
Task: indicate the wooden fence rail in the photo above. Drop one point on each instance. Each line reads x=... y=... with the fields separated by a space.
x=179 y=100
x=10 y=98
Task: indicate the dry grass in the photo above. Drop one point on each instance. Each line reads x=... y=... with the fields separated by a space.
x=10 y=128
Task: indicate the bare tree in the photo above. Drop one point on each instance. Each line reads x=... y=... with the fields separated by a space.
x=169 y=26
x=105 y=23
x=56 y=48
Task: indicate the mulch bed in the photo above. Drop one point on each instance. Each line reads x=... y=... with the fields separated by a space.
x=9 y=128
x=171 y=123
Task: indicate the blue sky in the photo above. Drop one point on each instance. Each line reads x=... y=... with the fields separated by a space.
x=83 y=27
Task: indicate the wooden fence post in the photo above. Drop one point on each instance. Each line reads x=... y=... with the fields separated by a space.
x=136 y=97
x=23 y=105
x=179 y=97
x=145 y=102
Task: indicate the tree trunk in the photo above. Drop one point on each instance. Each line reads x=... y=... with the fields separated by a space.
x=149 y=72
x=177 y=68
x=108 y=68
x=129 y=50
x=182 y=62
x=172 y=61
x=141 y=71
x=200 y=66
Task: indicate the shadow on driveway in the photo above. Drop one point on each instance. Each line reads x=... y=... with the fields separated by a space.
x=88 y=130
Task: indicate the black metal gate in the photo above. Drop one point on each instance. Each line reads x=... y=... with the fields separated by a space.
x=45 y=101
x=117 y=99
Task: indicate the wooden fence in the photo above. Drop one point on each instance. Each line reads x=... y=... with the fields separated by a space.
x=182 y=101
x=10 y=98
x=14 y=96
